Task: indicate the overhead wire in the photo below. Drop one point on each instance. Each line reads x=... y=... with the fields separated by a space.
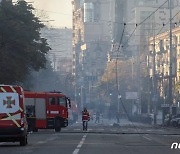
x=137 y=25
x=165 y=25
x=117 y=82
x=118 y=55
x=168 y=22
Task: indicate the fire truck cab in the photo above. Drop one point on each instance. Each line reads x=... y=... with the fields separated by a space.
x=46 y=110
x=13 y=124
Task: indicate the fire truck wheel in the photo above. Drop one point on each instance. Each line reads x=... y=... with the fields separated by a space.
x=57 y=126
x=23 y=141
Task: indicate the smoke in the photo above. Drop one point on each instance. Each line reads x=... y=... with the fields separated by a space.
x=58 y=10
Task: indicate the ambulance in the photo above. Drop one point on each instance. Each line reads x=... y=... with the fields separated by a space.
x=13 y=124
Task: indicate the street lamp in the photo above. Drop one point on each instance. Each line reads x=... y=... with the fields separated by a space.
x=119 y=100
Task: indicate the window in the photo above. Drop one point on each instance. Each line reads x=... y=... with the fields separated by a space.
x=88 y=12
x=62 y=101
x=52 y=101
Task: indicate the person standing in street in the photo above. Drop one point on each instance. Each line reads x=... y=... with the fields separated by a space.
x=85 y=118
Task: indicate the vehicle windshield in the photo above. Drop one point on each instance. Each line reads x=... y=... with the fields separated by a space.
x=118 y=59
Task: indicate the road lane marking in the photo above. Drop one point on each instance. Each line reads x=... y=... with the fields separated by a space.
x=77 y=129
x=76 y=151
x=51 y=139
x=79 y=145
x=41 y=142
x=100 y=129
x=147 y=138
x=149 y=130
x=90 y=129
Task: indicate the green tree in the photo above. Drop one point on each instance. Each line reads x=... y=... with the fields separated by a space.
x=22 y=49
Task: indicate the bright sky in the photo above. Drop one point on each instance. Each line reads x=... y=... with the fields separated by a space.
x=58 y=10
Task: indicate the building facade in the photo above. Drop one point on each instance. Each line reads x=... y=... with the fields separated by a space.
x=93 y=25
x=140 y=11
x=60 y=42
x=162 y=61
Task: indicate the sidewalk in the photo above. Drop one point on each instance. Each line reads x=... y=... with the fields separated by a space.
x=113 y=122
x=123 y=122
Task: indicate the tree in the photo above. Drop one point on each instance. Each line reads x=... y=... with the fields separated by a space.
x=22 y=49
x=127 y=79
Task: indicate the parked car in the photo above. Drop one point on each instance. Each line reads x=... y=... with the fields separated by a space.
x=167 y=121
x=175 y=120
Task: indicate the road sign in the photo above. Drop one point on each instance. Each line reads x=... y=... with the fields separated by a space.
x=131 y=95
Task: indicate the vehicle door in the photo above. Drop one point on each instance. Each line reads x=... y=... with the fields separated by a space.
x=62 y=106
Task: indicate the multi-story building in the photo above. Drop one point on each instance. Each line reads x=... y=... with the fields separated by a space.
x=60 y=41
x=93 y=24
x=140 y=11
x=162 y=60
x=145 y=18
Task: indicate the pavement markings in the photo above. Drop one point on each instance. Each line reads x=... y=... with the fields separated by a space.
x=147 y=138
x=149 y=130
x=41 y=142
x=80 y=145
x=77 y=129
x=100 y=129
x=76 y=151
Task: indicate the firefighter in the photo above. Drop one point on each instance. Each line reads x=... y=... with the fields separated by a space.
x=85 y=118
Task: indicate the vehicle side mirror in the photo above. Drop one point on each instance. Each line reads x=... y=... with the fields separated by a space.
x=69 y=103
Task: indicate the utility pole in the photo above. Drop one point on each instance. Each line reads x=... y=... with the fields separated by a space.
x=149 y=94
x=117 y=82
x=154 y=76
x=138 y=80
x=82 y=103
x=170 y=63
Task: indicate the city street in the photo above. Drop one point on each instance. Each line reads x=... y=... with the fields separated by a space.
x=99 y=139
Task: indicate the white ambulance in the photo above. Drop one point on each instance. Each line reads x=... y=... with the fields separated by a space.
x=13 y=124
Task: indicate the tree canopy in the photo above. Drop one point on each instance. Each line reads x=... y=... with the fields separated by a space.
x=22 y=48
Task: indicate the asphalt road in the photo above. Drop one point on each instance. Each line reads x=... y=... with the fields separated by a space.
x=99 y=139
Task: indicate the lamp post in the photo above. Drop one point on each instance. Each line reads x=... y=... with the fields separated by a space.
x=170 y=61
x=119 y=100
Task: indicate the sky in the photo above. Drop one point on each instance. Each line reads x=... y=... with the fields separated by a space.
x=58 y=10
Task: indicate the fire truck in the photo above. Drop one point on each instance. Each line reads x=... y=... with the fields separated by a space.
x=13 y=124
x=46 y=110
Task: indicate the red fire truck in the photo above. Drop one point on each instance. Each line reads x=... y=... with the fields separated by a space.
x=46 y=110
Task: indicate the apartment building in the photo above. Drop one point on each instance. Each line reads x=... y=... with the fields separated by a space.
x=60 y=41
x=93 y=31
x=140 y=11
x=162 y=60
